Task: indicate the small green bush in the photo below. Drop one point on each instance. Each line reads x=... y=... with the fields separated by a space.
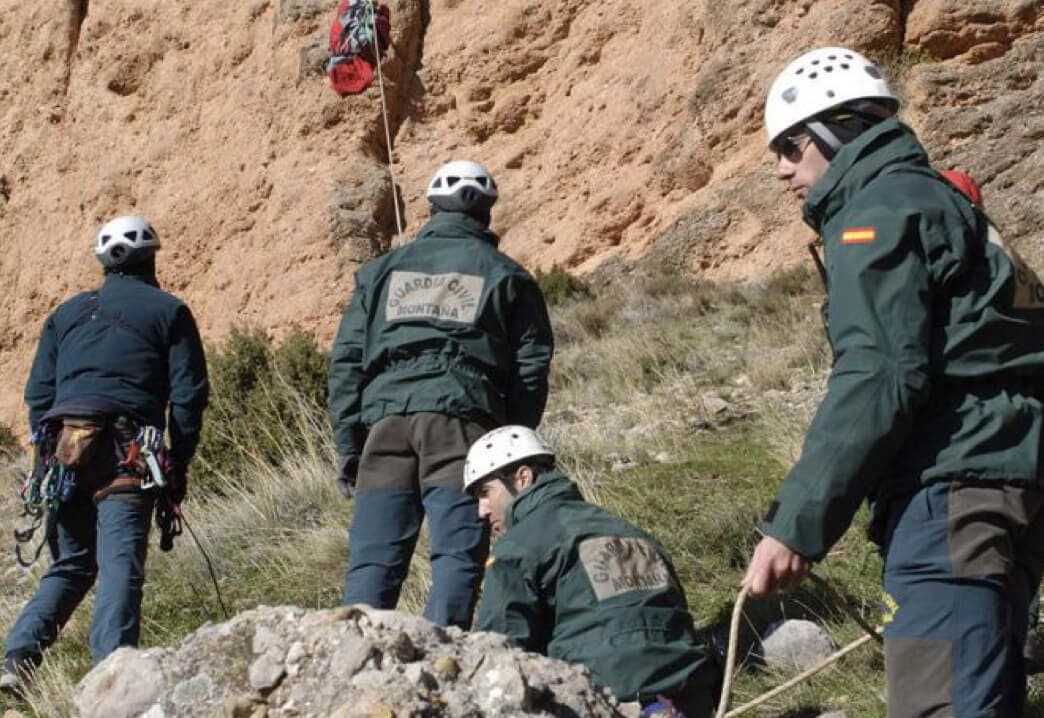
x=256 y=389
x=559 y=286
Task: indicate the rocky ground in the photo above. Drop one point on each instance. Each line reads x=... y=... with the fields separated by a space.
x=342 y=663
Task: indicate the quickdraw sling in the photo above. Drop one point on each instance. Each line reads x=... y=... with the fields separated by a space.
x=41 y=492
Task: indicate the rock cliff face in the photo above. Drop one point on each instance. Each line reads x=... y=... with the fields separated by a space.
x=349 y=662
x=621 y=131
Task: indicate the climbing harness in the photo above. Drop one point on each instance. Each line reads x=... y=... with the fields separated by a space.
x=371 y=16
x=50 y=483
x=871 y=634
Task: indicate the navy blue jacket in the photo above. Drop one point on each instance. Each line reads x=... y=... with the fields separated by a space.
x=127 y=347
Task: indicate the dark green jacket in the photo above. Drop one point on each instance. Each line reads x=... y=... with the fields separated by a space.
x=127 y=347
x=445 y=324
x=571 y=581
x=937 y=332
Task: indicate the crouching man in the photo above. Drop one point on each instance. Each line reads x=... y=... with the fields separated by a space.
x=569 y=580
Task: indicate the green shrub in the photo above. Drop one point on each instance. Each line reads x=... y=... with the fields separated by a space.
x=256 y=389
x=559 y=286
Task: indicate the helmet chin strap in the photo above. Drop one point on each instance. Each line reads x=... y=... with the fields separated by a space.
x=832 y=132
x=826 y=137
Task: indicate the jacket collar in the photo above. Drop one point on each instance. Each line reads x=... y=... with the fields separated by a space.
x=145 y=274
x=457 y=225
x=856 y=164
x=549 y=486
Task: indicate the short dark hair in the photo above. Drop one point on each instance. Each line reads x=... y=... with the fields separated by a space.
x=506 y=474
x=539 y=465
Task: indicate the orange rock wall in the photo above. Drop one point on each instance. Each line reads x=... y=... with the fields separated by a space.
x=620 y=132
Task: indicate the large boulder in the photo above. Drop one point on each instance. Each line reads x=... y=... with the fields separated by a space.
x=347 y=662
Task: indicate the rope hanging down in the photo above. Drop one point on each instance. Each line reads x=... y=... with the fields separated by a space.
x=210 y=566
x=387 y=129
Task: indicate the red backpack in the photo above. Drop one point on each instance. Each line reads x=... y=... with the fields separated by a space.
x=352 y=55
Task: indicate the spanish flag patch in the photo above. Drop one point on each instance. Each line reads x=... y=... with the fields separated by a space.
x=858 y=235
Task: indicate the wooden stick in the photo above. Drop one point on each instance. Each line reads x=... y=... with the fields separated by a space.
x=833 y=658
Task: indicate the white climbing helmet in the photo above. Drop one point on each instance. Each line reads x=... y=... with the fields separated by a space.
x=462 y=186
x=502 y=447
x=820 y=80
x=125 y=240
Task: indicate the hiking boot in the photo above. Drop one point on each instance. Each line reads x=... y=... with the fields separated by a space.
x=17 y=672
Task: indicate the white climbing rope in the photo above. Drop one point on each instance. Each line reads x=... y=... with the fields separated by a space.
x=387 y=127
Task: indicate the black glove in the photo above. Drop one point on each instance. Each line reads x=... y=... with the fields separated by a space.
x=348 y=467
x=177 y=484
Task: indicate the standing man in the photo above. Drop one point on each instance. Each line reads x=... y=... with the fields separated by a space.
x=933 y=408
x=444 y=339
x=570 y=580
x=110 y=363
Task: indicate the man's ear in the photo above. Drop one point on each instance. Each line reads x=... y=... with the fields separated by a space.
x=524 y=477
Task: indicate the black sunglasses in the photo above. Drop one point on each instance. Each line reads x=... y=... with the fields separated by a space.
x=792 y=146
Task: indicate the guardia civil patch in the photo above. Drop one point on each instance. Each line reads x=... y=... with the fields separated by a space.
x=617 y=565
x=858 y=235
x=452 y=297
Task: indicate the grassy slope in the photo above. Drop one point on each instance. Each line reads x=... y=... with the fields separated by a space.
x=677 y=405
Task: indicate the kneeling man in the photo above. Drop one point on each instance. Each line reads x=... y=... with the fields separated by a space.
x=571 y=581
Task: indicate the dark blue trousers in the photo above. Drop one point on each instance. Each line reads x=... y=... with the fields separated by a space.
x=962 y=562
x=107 y=542
x=383 y=536
x=412 y=467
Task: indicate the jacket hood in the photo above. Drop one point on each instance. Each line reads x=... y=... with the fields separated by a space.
x=857 y=164
x=549 y=486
